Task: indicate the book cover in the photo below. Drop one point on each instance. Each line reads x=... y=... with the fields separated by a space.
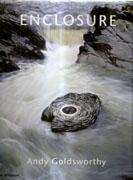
x=66 y=90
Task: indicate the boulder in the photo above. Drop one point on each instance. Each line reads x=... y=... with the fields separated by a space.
x=72 y=112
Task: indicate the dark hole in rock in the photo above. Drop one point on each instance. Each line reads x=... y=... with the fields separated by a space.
x=69 y=110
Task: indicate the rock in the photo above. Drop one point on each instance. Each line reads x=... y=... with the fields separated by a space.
x=6 y=65
x=27 y=52
x=104 y=11
x=21 y=42
x=10 y=24
x=2 y=54
x=89 y=37
x=82 y=49
x=112 y=45
x=127 y=13
x=126 y=177
x=72 y=112
x=102 y=47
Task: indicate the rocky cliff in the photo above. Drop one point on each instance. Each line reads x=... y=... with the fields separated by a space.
x=110 y=46
x=17 y=42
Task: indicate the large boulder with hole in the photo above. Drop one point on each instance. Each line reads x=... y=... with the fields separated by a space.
x=72 y=112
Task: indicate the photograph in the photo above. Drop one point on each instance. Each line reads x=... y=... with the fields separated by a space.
x=66 y=89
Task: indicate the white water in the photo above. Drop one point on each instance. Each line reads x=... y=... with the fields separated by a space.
x=23 y=135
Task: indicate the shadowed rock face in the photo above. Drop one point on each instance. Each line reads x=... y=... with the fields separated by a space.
x=16 y=41
x=6 y=65
x=109 y=46
x=72 y=112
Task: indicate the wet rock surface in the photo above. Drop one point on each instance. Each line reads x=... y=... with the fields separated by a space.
x=72 y=112
x=126 y=177
x=110 y=45
x=6 y=64
x=17 y=41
